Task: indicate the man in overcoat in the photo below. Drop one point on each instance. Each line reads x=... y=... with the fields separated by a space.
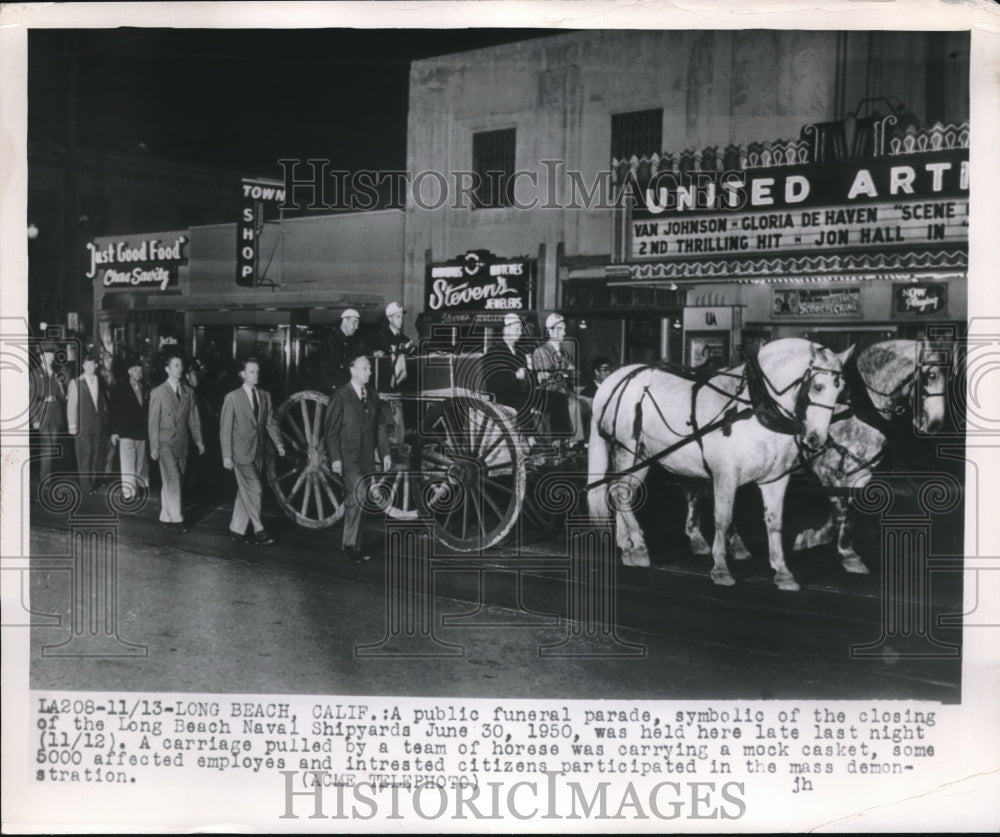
x=171 y=418
x=48 y=407
x=354 y=430
x=245 y=423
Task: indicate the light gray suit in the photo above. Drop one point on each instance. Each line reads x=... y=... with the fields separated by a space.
x=171 y=418
x=242 y=438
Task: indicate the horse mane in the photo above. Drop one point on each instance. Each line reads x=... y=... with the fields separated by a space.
x=884 y=368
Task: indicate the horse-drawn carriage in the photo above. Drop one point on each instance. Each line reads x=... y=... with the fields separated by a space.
x=465 y=464
x=468 y=465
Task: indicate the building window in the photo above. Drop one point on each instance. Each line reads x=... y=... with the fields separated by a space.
x=493 y=164
x=638 y=133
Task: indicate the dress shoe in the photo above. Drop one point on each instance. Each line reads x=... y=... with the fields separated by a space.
x=181 y=528
x=261 y=538
x=350 y=555
x=236 y=537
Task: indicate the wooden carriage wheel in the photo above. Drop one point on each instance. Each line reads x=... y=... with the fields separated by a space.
x=307 y=491
x=470 y=473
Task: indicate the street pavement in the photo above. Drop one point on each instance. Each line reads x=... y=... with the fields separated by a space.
x=216 y=616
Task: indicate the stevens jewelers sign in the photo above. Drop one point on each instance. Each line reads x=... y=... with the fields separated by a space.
x=480 y=281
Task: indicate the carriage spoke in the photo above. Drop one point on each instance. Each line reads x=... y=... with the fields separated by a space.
x=406 y=491
x=493 y=446
x=492 y=505
x=306 y=423
x=298 y=485
x=293 y=470
x=481 y=433
x=291 y=441
x=305 y=496
x=320 y=513
x=494 y=484
x=477 y=507
x=324 y=480
x=302 y=442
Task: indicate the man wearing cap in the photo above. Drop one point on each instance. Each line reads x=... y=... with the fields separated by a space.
x=171 y=418
x=395 y=347
x=353 y=433
x=246 y=421
x=343 y=346
x=554 y=366
x=129 y=427
x=87 y=416
x=48 y=407
x=506 y=369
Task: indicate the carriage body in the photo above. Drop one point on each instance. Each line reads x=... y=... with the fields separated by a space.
x=463 y=464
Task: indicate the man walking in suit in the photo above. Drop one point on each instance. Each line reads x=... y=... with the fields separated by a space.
x=130 y=428
x=87 y=416
x=354 y=429
x=246 y=416
x=171 y=417
x=48 y=408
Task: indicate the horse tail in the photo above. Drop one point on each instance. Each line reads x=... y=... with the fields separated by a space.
x=598 y=456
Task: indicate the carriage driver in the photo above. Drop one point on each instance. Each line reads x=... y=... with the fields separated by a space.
x=554 y=366
x=341 y=348
x=396 y=347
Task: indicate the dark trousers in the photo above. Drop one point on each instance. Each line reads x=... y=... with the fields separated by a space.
x=352 y=508
x=90 y=453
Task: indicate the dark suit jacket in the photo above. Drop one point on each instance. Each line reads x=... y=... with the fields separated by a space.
x=240 y=434
x=498 y=368
x=171 y=418
x=129 y=418
x=352 y=435
x=50 y=415
x=82 y=413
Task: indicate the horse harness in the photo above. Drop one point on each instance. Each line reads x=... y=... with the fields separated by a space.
x=759 y=401
x=880 y=419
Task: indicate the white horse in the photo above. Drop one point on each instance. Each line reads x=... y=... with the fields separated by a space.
x=748 y=424
x=887 y=381
x=891 y=379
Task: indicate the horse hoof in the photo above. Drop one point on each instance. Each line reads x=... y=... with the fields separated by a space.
x=855 y=565
x=722 y=578
x=741 y=554
x=700 y=548
x=635 y=558
x=786 y=583
x=802 y=542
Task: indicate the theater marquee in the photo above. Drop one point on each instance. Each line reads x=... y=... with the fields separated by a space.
x=914 y=201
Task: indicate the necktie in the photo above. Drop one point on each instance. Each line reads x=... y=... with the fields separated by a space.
x=256 y=404
x=138 y=393
x=177 y=392
x=364 y=399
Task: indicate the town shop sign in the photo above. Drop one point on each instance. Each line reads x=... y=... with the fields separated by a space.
x=149 y=262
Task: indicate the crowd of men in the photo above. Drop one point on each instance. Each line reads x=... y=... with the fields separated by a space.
x=123 y=417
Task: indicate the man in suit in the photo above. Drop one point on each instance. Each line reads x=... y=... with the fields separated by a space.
x=354 y=429
x=111 y=386
x=171 y=418
x=87 y=416
x=130 y=427
x=48 y=407
x=246 y=417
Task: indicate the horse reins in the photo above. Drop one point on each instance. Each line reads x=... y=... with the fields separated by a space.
x=760 y=402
